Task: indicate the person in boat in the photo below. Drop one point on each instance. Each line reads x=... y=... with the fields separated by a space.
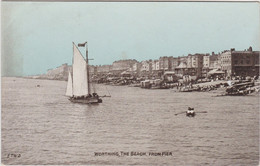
x=95 y=95
x=190 y=112
x=189 y=108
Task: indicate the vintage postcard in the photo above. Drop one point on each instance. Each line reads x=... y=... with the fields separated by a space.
x=130 y=83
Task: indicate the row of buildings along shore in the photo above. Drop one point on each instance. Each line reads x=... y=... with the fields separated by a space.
x=228 y=63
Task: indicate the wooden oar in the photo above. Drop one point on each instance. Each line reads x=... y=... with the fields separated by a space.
x=195 y=112
x=201 y=112
x=180 y=113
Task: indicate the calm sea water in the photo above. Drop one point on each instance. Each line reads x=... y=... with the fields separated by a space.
x=41 y=126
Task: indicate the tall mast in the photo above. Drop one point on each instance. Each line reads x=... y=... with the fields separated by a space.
x=87 y=66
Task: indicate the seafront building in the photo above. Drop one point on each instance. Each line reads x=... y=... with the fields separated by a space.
x=191 y=65
x=240 y=63
x=228 y=63
x=146 y=66
x=214 y=61
x=225 y=59
x=231 y=62
x=210 y=62
x=182 y=69
x=164 y=63
x=174 y=62
x=245 y=63
x=135 y=69
x=155 y=65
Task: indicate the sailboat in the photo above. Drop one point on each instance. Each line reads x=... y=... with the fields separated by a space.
x=78 y=87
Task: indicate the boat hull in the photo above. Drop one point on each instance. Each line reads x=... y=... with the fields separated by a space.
x=92 y=100
x=190 y=113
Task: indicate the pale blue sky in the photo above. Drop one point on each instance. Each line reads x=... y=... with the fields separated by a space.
x=39 y=36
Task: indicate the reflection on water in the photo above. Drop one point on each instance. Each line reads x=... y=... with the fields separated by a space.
x=44 y=127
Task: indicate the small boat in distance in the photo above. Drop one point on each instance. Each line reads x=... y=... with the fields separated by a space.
x=190 y=112
x=78 y=87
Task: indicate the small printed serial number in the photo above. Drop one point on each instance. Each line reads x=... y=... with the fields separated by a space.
x=14 y=155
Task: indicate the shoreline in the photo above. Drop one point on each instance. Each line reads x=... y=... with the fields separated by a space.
x=218 y=91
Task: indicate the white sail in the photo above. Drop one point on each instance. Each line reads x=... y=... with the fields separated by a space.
x=80 y=83
x=69 y=86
